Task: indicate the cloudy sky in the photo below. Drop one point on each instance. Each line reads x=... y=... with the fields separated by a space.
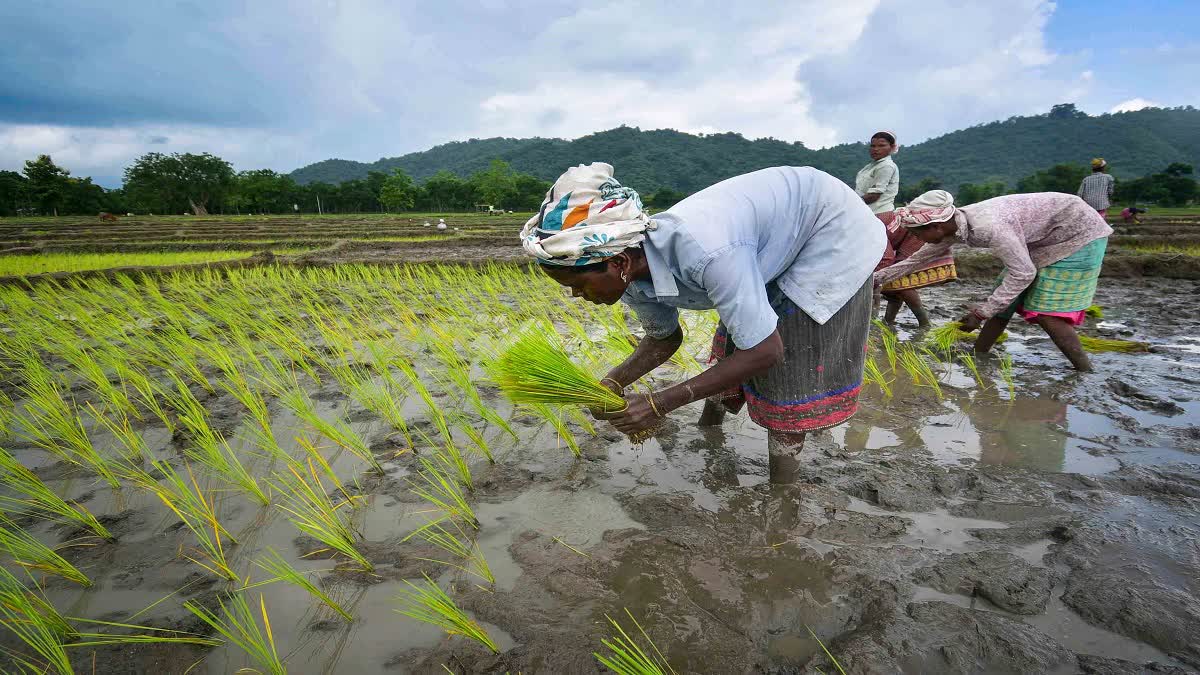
x=283 y=83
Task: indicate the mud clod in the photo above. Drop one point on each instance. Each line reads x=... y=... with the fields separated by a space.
x=1002 y=578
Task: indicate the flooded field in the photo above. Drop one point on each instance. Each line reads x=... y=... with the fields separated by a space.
x=1047 y=527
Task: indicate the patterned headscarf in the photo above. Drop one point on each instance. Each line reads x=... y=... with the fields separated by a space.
x=587 y=217
x=935 y=206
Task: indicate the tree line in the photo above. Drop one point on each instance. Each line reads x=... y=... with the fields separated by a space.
x=1173 y=186
x=204 y=183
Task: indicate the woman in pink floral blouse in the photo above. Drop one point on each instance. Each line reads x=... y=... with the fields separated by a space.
x=1052 y=246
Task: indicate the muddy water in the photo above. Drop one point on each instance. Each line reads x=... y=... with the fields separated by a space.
x=1052 y=529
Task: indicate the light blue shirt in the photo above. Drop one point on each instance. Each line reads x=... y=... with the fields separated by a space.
x=799 y=228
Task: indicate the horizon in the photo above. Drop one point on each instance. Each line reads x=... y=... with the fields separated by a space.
x=286 y=89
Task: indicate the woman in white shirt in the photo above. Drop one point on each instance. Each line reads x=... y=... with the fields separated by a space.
x=785 y=256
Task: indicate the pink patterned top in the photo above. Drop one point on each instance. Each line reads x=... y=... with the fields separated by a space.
x=1025 y=232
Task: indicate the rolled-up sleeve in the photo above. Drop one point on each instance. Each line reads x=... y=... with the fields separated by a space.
x=659 y=321
x=736 y=288
x=881 y=177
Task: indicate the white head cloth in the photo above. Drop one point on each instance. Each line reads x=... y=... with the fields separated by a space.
x=935 y=206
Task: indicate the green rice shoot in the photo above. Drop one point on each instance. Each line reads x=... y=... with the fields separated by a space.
x=535 y=369
x=427 y=602
x=627 y=658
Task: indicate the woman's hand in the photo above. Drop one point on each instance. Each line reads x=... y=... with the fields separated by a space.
x=612 y=385
x=970 y=321
x=640 y=414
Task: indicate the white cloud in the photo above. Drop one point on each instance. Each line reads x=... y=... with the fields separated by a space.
x=1133 y=104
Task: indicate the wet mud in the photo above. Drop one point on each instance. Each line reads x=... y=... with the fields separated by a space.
x=1050 y=530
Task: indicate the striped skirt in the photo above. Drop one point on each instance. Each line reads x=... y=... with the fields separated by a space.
x=1063 y=289
x=817 y=383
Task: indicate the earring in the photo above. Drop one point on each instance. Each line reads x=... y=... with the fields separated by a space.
x=624 y=278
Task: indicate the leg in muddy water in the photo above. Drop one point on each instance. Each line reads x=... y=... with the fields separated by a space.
x=783 y=455
x=713 y=415
x=992 y=328
x=893 y=308
x=1067 y=340
x=913 y=300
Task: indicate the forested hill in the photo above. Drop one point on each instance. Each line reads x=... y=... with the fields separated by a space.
x=1135 y=144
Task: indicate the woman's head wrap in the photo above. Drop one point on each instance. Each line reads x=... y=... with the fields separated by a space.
x=891 y=136
x=935 y=206
x=587 y=217
x=1099 y=163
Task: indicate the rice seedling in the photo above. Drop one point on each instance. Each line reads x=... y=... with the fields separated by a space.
x=969 y=361
x=209 y=448
x=452 y=542
x=336 y=431
x=536 y=370
x=434 y=485
x=427 y=602
x=314 y=513
x=913 y=361
x=273 y=563
x=33 y=555
x=196 y=508
x=476 y=438
x=874 y=375
x=53 y=425
x=147 y=391
x=828 y=655
x=1006 y=372
x=1095 y=344
x=627 y=658
x=378 y=397
x=1095 y=311
x=236 y=623
x=134 y=447
x=31 y=497
x=889 y=340
x=554 y=418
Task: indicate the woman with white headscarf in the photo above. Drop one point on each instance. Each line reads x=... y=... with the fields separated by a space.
x=784 y=255
x=878 y=183
x=1052 y=246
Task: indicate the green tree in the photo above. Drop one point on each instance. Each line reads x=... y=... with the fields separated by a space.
x=83 y=197
x=664 y=198
x=262 y=191
x=1058 y=178
x=13 y=193
x=1173 y=186
x=445 y=191
x=528 y=192
x=908 y=193
x=497 y=184
x=399 y=192
x=168 y=182
x=48 y=184
x=970 y=193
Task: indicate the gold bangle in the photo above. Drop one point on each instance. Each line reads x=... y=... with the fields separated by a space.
x=650 y=398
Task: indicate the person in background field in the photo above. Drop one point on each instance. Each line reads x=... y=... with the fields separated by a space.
x=785 y=256
x=878 y=183
x=1052 y=246
x=1130 y=215
x=1097 y=189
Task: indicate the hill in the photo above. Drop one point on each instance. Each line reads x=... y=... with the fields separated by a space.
x=1135 y=144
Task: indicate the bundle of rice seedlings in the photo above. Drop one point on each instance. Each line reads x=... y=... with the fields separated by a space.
x=969 y=362
x=427 y=602
x=946 y=335
x=1095 y=311
x=236 y=623
x=535 y=370
x=913 y=361
x=627 y=658
x=1095 y=344
x=273 y=563
x=34 y=555
x=888 y=338
x=874 y=375
x=31 y=497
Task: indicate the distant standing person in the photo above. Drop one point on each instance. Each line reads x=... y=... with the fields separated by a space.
x=878 y=183
x=1097 y=189
x=1052 y=246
